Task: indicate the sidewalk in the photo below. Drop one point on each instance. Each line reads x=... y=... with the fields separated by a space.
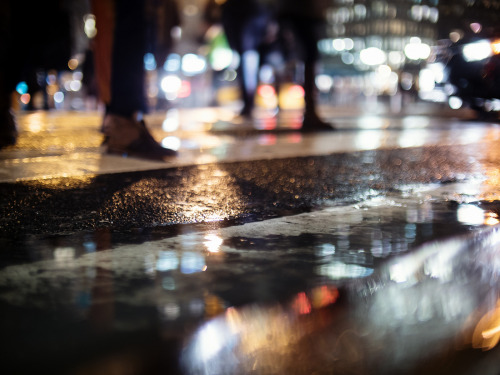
x=53 y=144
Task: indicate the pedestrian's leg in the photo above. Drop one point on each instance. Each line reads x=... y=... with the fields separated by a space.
x=305 y=33
x=249 y=79
x=8 y=131
x=10 y=63
x=123 y=79
x=312 y=121
x=127 y=65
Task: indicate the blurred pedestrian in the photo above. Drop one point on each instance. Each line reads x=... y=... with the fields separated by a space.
x=120 y=46
x=253 y=26
x=302 y=22
x=246 y=25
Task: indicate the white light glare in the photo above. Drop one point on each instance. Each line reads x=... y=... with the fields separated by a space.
x=324 y=82
x=477 y=51
x=89 y=26
x=59 y=97
x=170 y=84
x=171 y=122
x=338 y=44
x=416 y=50
x=193 y=64
x=455 y=102
x=339 y=270
x=211 y=339
x=470 y=214
x=173 y=143
x=221 y=58
x=372 y=56
x=213 y=243
x=427 y=80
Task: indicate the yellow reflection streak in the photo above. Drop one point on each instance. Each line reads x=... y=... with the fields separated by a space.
x=492 y=332
x=35 y=124
x=63 y=182
x=491 y=219
x=487 y=332
x=208 y=196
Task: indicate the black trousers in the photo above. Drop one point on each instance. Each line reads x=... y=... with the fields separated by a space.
x=127 y=64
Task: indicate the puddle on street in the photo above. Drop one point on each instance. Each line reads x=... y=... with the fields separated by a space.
x=311 y=293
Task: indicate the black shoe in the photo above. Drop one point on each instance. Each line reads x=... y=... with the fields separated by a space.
x=8 y=131
x=125 y=136
x=147 y=147
x=312 y=123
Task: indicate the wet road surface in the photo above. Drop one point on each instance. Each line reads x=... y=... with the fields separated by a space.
x=370 y=250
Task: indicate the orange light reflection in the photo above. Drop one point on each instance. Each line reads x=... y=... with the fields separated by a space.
x=487 y=332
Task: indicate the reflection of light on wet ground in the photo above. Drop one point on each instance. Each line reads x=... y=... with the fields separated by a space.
x=69 y=144
x=267 y=139
x=373 y=122
x=487 y=331
x=413 y=138
x=171 y=311
x=167 y=260
x=192 y=262
x=433 y=261
x=368 y=139
x=64 y=255
x=416 y=306
x=168 y=283
x=415 y=122
x=213 y=242
x=301 y=304
x=211 y=339
x=204 y=201
x=325 y=250
x=35 y=122
x=266 y=123
x=473 y=215
x=491 y=218
x=173 y=143
x=256 y=340
x=58 y=183
x=171 y=122
x=206 y=159
x=470 y=214
x=472 y=134
x=323 y=296
x=338 y=271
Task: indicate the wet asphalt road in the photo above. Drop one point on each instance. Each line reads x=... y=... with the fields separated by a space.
x=236 y=192
x=320 y=263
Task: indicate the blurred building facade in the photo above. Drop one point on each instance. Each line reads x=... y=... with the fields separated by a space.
x=388 y=42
